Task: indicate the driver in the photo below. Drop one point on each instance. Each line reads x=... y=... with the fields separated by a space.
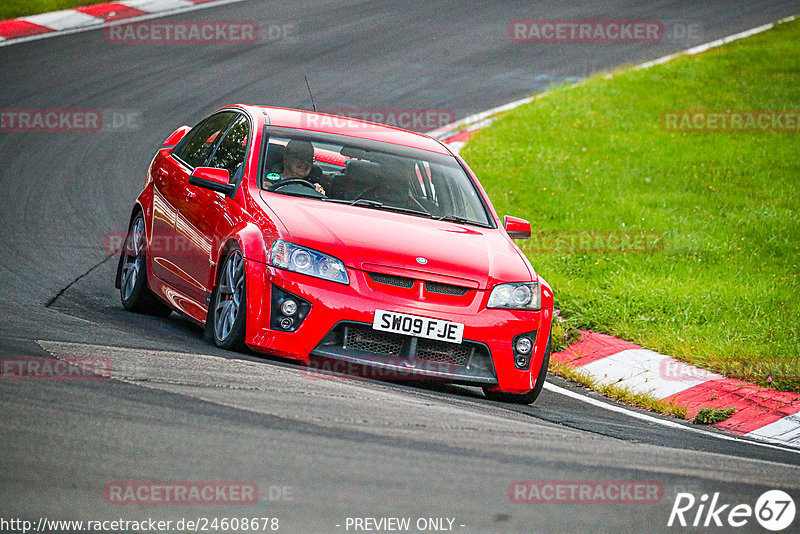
x=298 y=160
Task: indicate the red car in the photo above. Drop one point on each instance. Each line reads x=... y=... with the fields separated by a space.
x=402 y=264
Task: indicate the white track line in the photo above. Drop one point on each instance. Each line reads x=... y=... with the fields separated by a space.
x=484 y=115
x=713 y=44
x=663 y=422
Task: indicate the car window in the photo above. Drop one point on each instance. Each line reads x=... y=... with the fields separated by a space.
x=231 y=151
x=383 y=176
x=196 y=147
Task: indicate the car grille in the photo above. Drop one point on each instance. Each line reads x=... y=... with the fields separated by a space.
x=408 y=283
x=369 y=340
x=392 y=280
x=445 y=289
x=440 y=351
x=365 y=338
x=411 y=357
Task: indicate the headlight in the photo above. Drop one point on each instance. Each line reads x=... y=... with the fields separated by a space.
x=307 y=261
x=516 y=296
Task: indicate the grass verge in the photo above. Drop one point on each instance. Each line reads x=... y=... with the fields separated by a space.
x=723 y=292
x=616 y=392
x=709 y=416
x=11 y=9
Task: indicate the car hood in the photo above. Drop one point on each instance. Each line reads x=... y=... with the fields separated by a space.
x=393 y=243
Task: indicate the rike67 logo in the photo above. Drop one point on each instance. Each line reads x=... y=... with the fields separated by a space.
x=774 y=510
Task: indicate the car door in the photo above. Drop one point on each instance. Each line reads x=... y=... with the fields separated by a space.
x=193 y=151
x=165 y=210
x=205 y=216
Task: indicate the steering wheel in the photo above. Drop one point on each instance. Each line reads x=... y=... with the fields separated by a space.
x=290 y=181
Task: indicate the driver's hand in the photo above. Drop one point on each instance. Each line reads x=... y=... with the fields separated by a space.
x=319 y=188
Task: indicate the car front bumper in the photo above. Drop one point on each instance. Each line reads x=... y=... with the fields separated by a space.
x=339 y=327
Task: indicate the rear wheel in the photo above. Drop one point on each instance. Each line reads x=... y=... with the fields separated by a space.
x=228 y=306
x=133 y=290
x=524 y=398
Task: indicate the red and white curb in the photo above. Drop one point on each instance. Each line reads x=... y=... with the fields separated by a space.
x=94 y=16
x=761 y=413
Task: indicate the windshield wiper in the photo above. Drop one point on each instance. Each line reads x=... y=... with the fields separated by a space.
x=453 y=218
x=374 y=204
x=296 y=194
x=410 y=211
x=367 y=203
x=387 y=207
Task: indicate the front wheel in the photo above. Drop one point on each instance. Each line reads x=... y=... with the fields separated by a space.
x=524 y=398
x=228 y=306
x=133 y=290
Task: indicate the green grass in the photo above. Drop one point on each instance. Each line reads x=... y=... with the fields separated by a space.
x=709 y=416
x=11 y=9
x=723 y=293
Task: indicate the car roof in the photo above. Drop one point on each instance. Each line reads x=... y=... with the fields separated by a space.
x=322 y=122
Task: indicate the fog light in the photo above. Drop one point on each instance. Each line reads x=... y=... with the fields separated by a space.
x=287 y=310
x=289 y=307
x=523 y=349
x=524 y=345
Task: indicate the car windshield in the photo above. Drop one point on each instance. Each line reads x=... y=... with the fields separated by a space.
x=372 y=175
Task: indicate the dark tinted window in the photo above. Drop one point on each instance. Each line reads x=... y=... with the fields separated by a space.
x=198 y=144
x=231 y=151
x=417 y=182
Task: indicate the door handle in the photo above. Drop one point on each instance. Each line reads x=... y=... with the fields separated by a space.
x=190 y=195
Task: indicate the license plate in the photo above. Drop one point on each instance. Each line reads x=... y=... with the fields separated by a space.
x=414 y=325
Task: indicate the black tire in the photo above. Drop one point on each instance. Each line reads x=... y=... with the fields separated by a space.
x=524 y=398
x=227 y=313
x=133 y=290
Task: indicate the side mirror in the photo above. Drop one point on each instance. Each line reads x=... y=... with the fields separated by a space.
x=176 y=136
x=517 y=228
x=214 y=179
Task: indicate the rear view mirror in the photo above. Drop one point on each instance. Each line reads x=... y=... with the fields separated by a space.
x=517 y=228
x=213 y=179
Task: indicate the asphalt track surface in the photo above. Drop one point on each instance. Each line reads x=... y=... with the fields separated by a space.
x=179 y=409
